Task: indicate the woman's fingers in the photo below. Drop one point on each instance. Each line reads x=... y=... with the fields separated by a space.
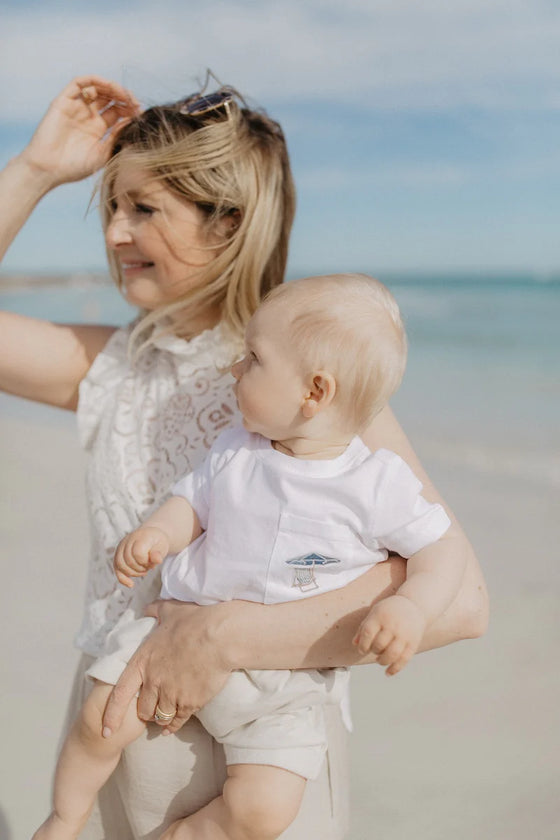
x=165 y=705
x=75 y=137
x=157 y=609
x=183 y=713
x=175 y=724
x=120 y=699
x=99 y=98
x=98 y=87
x=148 y=700
x=109 y=108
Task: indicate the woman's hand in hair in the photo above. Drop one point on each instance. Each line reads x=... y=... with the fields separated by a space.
x=75 y=137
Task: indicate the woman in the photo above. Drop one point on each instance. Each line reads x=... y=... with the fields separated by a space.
x=197 y=204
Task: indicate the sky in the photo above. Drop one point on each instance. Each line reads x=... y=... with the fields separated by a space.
x=424 y=136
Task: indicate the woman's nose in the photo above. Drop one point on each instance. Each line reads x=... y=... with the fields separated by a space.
x=118 y=231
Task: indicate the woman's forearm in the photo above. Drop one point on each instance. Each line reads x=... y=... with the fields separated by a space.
x=318 y=632
x=313 y=633
x=21 y=187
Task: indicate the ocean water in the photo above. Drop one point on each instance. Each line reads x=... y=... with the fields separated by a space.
x=482 y=387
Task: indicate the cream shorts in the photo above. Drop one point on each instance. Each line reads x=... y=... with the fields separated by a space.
x=260 y=717
x=159 y=780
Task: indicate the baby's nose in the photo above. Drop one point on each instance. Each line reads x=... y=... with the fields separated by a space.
x=237 y=369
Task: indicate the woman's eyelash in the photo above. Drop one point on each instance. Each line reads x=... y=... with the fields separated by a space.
x=138 y=207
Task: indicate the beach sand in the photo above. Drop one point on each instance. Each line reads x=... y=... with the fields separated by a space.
x=463 y=744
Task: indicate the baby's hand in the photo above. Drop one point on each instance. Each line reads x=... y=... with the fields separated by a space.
x=139 y=552
x=393 y=629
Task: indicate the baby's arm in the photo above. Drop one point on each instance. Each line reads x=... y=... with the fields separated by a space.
x=168 y=530
x=395 y=626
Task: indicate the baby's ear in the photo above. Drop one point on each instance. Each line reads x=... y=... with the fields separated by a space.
x=321 y=393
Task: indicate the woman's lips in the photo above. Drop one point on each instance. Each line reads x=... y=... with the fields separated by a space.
x=134 y=266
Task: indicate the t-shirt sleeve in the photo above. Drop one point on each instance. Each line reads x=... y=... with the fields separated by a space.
x=404 y=521
x=196 y=486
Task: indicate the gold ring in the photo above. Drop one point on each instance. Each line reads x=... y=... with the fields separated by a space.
x=86 y=96
x=159 y=715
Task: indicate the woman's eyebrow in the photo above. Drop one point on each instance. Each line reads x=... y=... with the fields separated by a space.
x=142 y=191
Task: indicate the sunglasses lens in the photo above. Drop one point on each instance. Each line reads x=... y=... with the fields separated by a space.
x=202 y=103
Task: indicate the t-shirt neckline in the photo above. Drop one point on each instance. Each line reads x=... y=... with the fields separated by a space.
x=355 y=451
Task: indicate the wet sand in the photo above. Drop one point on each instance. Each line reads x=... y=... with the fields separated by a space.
x=464 y=743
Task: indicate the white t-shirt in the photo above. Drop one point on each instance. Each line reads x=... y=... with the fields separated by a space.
x=279 y=528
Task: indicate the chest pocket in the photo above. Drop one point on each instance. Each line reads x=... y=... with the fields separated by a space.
x=309 y=555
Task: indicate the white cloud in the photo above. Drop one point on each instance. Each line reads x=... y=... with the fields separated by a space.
x=401 y=53
x=328 y=179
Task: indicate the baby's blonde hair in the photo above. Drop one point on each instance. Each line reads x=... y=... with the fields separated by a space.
x=351 y=326
x=232 y=164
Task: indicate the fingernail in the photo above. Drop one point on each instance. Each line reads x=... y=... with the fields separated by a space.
x=107 y=732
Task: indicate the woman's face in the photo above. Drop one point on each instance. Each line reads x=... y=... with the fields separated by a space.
x=157 y=238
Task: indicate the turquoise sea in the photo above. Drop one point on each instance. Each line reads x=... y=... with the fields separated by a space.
x=482 y=387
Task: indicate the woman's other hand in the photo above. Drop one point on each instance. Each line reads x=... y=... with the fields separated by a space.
x=180 y=666
x=75 y=136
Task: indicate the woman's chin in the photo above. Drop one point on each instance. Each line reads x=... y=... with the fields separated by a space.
x=140 y=299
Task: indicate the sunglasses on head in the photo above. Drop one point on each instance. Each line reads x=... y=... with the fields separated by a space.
x=199 y=104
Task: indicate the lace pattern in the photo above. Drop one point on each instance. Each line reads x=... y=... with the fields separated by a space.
x=144 y=425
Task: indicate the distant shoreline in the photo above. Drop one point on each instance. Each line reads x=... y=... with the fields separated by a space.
x=13 y=281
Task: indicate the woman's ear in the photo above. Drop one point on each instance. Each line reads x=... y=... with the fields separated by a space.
x=229 y=222
x=320 y=395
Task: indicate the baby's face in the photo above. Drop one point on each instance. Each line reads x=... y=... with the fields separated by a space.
x=271 y=387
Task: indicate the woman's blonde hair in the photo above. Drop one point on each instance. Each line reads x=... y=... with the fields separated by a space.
x=351 y=326
x=231 y=161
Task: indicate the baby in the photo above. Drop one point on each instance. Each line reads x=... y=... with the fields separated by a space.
x=290 y=505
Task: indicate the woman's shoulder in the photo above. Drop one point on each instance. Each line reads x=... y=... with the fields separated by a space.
x=111 y=355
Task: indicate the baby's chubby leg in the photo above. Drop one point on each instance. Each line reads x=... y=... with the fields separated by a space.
x=258 y=802
x=86 y=761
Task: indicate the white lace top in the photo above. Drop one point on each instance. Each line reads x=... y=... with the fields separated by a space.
x=144 y=425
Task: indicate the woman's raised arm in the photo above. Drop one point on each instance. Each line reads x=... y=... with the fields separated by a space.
x=39 y=360
x=187 y=658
